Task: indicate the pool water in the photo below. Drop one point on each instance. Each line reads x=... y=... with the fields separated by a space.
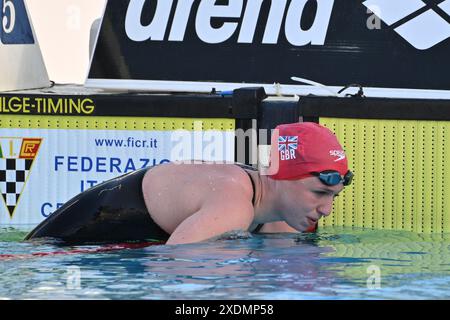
x=335 y=263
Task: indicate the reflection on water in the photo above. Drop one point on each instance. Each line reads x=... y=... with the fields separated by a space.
x=335 y=263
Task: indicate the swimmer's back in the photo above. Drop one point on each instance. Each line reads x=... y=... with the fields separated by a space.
x=174 y=193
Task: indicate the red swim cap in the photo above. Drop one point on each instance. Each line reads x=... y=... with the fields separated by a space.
x=301 y=148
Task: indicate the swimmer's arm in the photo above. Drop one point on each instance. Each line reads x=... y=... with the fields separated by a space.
x=225 y=213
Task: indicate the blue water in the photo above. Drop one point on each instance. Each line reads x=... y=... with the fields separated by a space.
x=335 y=263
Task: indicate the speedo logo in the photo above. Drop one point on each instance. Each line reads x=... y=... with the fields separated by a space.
x=241 y=15
x=422 y=30
x=339 y=154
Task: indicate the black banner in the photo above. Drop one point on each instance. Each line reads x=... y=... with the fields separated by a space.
x=374 y=43
x=241 y=104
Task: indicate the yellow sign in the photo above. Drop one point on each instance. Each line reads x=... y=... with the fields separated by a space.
x=46 y=105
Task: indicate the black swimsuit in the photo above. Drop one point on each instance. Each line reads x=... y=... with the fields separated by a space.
x=247 y=169
x=113 y=211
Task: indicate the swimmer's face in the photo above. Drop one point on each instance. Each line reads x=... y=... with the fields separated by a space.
x=305 y=201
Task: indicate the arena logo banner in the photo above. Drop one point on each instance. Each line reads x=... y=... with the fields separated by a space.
x=16 y=159
x=389 y=47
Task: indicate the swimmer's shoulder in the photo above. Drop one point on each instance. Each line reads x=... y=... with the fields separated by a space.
x=229 y=174
x=210 y=199
x=206 y=181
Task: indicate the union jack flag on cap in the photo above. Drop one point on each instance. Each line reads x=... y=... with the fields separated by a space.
x=287 y=143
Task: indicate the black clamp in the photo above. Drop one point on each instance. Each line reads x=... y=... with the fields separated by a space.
x=359 y=94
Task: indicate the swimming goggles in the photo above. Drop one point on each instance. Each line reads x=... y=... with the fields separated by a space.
x=333 y=178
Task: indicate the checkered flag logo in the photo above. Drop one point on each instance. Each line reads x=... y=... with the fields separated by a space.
x=13 y=174
x=16 y=158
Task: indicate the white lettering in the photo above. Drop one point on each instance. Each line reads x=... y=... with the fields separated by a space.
x=180 y=20
x=207 y=10
x=156 y=29
x=287 y=155
x=374 y=22
x=318 y=31
x=73 y=18
x=292 y=155
x=249 y=19
x=214 y=149
x=198 y=141
x=274 y=22
x=187 y=310
x=374 y=280
x=7 y=4
x=181 y=145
